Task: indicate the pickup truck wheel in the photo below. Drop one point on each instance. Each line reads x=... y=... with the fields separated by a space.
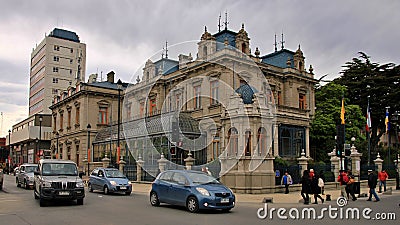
x=26 y=184
x=17 y=181
x=90 y=187
x=34 y=192
x=42 y=203
x=79 y=201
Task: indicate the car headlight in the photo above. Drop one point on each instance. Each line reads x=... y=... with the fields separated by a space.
x=203 y=191
x=80 y=184
x=129 y=183
x=113 y=183
x=46 y=184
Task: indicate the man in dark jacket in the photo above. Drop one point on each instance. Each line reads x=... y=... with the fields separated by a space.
x=372 y=182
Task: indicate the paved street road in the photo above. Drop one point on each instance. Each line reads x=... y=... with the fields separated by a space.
x=18 y=207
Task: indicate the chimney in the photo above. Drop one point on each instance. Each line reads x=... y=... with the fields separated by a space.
x=110 y=77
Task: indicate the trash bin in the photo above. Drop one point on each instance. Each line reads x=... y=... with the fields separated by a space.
x=357 y=188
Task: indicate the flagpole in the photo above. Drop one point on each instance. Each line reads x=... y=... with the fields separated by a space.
x=387 y=132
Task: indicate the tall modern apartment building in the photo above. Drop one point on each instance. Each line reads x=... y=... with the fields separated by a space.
x=58 y=62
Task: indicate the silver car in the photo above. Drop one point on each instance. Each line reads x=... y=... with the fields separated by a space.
x=25 y=175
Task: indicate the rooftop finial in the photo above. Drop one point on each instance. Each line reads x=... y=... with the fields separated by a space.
x=243 y=26
x=166 y=49
x=226 y=20
x=162 y=52
x=276 y=44
x=282 y=41
x=219 y=22
x=205 y=29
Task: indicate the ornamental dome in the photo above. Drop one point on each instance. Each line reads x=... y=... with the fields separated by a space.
x=246 y=92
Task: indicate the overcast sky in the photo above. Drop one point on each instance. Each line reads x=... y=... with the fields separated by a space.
x=122 y=35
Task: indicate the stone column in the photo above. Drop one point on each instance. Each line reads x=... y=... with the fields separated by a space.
x=378 y=162
x=335 y=163
x=121 y=165
x=139 y=168
x=269 y=170
x=355 y=161
x=106 y=161
x=303 y=162
x=162 y=162
x=189 y=161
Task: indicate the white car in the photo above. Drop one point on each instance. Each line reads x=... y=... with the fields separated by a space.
x=25 y=175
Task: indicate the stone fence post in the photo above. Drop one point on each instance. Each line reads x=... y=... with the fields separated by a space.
x=162 y=162
x=303 y=162
x=355 y=161
x=139 y=168
x=189 y=161
x=106 y=161
x=378 y=162
x=121 y=165
x=335 y=163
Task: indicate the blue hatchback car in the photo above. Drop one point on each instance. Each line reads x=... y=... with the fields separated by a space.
x=193 y=189
x=109 y=180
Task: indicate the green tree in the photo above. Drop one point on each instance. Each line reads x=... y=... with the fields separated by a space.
x=363 y=78
x=327 y=115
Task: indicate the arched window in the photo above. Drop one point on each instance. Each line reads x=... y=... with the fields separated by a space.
x=244 y=47
x=262 y=142
x=232 y=142
x=205 y=51
x=248 y=143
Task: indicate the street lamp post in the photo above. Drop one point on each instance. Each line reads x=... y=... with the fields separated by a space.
x=57 y=136
x=40 y=132
x=88 y=147
x=119 y=86
x=10 y=151
x=36 y=149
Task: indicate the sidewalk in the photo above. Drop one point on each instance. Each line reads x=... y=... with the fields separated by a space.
x=292 y=198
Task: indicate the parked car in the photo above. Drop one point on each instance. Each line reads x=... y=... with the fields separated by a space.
x=109 y=180
x=1 y=178
x=58 y=180
x=193 y=189
x=25 y=175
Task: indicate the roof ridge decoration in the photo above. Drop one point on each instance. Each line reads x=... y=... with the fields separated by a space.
x=206 y=35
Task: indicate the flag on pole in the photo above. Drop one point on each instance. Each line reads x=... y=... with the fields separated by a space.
x=387 y=123
x=368 y=125
x=342 y=111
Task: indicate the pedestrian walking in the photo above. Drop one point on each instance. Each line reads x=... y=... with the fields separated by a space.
x=321 y=182
x=382 y=176
x=343 y=179
x=316 y=189
x=350 y=186
x=306 y=186
x=312 y=173
x=286 y=180
x=372 y=182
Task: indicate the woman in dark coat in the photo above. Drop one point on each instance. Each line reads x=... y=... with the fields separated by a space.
x=306 y=186
x=316 y=190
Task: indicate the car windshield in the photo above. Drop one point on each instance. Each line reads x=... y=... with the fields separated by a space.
x=30 y=169
x=199 y=178
x=114 y=174
x=54 y=169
